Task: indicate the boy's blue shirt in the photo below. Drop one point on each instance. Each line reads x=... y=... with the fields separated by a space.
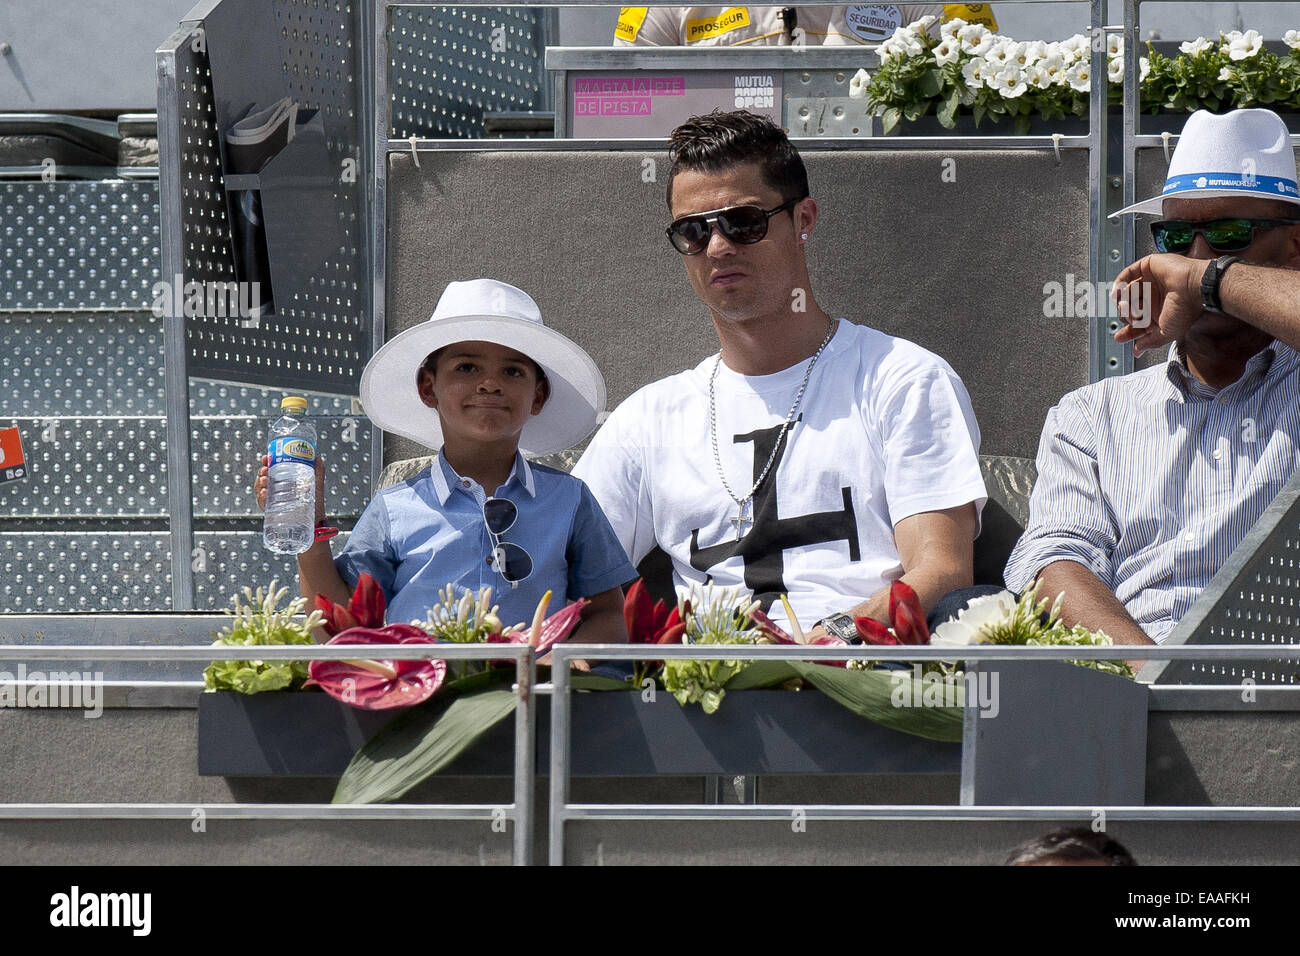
x=416 y=537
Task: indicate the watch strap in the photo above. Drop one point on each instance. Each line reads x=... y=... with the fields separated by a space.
x=1210 y=281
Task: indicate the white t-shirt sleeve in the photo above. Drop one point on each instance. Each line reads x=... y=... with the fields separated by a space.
x=931 y=441
x=613 y=467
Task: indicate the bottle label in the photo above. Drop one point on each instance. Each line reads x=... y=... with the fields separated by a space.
x=297 y=450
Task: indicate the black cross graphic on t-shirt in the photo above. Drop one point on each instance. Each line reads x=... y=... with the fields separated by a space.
x=763 y=547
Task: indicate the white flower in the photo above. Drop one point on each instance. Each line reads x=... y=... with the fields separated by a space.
x=889 y=51
x=1053 y=49
x=998 y=54
x=1114 y=44
x=1115 y=71
x=1225 y=75
x=975 y=39
x=1292 y=39
x=948 y=51
x=1144 y=67
x=1079 y=76
x=973 y=72
x=1196 y=47
x=1035 y=50
x=1075 y=47
x=907 y=41
x=1245 y=46
x=964 y=630
x=923 y=25
x=1010 y=81
x=1232 y=36
x=858 y=85
x=949 y=29
x=1037 y=77
x=1018 y=54
x=1054 y=66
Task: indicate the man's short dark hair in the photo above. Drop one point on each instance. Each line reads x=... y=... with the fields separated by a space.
x=714 y=142
x=1066 y=845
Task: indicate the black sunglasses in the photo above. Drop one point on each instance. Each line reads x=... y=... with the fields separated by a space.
x=1223 y=235
x=510 y=561
x=743 y=224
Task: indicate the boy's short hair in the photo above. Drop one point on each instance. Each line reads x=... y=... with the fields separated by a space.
x=1078 y=843
x=716 y=141
x=430 y=365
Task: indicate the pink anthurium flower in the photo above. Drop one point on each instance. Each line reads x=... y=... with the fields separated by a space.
x=366 y=609
x=374 y=683
x=873 y=632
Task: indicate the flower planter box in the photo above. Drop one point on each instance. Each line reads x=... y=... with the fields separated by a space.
x=1148 y=124
x=1061 y=735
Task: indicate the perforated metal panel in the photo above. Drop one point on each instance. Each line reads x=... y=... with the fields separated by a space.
x=57 y=571
x=451 y=64
x=228 y=562
x=319 y=338
x=1254 y=599
x=225 y=450
x=78 y=245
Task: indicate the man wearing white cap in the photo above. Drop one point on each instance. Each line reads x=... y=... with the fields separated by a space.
x=1148 y=481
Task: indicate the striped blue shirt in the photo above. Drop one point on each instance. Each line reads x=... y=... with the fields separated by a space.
x=1150 y=480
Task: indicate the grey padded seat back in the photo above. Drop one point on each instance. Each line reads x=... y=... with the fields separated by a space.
x=958 y=267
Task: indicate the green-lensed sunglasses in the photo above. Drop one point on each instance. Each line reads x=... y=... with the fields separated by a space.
x=1223 y=235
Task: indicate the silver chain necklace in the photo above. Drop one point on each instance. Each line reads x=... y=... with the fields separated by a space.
x=743 y=503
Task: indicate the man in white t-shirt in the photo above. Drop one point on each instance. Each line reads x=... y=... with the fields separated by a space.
x=811 y=456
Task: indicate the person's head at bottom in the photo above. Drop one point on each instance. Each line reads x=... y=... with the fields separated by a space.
x=1076 y=846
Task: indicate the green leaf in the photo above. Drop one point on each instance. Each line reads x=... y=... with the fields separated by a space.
x=931 y=83
x=889 y=119
x=420 y=743
x=598 y=682
x=870 y=694
x=947 y=111
x=978 y=110
x=762 y=674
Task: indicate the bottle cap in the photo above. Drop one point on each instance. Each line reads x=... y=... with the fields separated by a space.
x=293 y=403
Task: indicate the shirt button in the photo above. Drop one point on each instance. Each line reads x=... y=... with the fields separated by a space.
x=1218 y=453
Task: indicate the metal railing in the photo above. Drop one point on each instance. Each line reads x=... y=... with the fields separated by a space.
x=519 y=812
x=561 y=810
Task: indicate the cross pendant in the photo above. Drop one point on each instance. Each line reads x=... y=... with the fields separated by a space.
x=740 y=521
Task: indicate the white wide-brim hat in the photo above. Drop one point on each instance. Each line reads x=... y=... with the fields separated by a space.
x=484 y=310
x=1244 y=153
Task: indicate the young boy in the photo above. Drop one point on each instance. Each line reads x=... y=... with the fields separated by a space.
x=481 y=378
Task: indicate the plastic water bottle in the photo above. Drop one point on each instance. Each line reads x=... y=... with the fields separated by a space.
x=290 y=523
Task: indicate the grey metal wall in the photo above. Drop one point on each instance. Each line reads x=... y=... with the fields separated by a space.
x=881 y=255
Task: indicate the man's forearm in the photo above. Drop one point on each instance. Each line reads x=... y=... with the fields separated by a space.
x=930 y=582
x=1089 y=602
x=1267 y=298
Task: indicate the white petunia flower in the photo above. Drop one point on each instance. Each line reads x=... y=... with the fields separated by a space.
x=1114 y=44
x=1054 y=66
x=975 y=39
x=1075 y=47
x=1037 y=77
x=1010 y=81
x=1245 y=46
x=1034 y=51
x=923 y=25
x=1196 y=47
x=1079 y=76
x=1232 y=36
x=950 y=29
x=1225 y=75
x=1292 y=39
x=1144 y=67
x=1115 y=71
x=964 y=630
x=888 y=51
x=998 y=54
x=973 y=72
x=948 y=51
x=858 y=85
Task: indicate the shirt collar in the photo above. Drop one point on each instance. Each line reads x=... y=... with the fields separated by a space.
x=444 y=477
x=1274 y=357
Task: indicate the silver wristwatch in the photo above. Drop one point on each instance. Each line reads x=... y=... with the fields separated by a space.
x=841 y=625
